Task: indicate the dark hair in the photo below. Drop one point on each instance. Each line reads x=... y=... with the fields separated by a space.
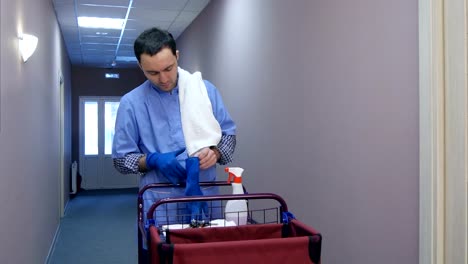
x=152 y=41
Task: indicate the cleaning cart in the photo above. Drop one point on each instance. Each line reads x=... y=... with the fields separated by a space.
x=271 y=234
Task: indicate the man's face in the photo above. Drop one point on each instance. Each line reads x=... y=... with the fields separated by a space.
x=161 y=68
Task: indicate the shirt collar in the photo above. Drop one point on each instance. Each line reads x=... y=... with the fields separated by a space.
x=157 y=89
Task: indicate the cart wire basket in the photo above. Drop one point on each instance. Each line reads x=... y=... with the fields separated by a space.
x=270 y=234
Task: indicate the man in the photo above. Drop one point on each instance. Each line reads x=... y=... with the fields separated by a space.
x=160 y=124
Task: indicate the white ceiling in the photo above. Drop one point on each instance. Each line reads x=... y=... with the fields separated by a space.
x=100 y=48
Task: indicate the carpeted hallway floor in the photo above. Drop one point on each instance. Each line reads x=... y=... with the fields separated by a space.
x=99 y=227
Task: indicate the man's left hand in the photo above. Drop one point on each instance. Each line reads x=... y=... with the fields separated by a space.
x=208 y=157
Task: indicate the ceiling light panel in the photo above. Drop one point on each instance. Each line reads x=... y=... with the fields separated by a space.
x=126 y=58
x=96 y=45
x=101 y=22
x=99 y=40
x=99 y=11
x=92 y=32
x=98 y=52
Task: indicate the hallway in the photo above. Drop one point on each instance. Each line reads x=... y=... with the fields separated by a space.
x=99 y=226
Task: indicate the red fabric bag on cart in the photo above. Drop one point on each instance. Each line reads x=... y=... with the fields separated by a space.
x=293 y=242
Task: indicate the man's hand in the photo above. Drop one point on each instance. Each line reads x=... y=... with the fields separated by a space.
x=208 y=157
x=167 y=164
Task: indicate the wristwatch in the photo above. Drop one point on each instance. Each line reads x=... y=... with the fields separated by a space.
x=217 y=152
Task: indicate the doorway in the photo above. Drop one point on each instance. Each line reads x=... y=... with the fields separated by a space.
x=97 y=120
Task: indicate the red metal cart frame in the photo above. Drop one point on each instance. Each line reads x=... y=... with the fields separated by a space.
x=287 y=241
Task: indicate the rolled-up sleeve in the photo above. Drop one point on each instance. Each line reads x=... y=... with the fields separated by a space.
x=226 y=148
x=125 y=151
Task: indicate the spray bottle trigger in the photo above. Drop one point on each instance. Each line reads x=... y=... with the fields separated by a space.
x=231 y=177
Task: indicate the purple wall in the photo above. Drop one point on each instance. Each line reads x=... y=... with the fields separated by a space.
x=325 y=95
x=29 y=131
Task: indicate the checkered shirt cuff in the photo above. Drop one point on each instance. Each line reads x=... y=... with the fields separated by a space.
x=226 y=147
x=128 y=164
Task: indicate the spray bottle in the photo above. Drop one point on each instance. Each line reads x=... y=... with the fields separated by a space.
x=236 y=210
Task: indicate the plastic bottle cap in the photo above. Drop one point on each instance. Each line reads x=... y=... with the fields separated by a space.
x=232 y=174
x=233 y=178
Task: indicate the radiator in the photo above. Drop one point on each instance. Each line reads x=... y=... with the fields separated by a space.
x=74 y=180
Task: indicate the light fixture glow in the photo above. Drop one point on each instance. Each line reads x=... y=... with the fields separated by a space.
x=126 y=58
x=27 y=45
x=112 y=75
x=100 y=22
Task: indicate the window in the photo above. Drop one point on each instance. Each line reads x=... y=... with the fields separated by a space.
x=97 y=121
x=110 y=113
x=91 y=129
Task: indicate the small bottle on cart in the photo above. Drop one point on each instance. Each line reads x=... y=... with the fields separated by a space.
x=236 y=210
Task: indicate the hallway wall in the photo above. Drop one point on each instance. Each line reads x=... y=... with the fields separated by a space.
x=29 y=131
x=325 y=96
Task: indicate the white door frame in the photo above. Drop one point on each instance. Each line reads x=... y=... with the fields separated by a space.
x=443 y=113
x=456 y=114
x=61 y=166
x=98 y=171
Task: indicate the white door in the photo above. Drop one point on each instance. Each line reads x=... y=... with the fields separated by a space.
x=97 y=120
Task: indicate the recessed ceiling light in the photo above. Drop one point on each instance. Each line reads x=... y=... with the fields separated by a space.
x=112 y=76
x=126 y=58
x=100 y=22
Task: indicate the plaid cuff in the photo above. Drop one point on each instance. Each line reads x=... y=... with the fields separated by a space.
x=226 y=147
x=128 y=164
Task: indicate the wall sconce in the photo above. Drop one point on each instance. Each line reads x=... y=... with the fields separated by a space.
x=27 y=45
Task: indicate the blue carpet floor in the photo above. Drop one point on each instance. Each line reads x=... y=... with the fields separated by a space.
x=99 y=226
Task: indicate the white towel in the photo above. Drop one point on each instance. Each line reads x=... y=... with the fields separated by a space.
x=201 y=129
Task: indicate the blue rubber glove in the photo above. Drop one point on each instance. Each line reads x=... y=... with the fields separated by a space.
x=197 y=209
x=167 y=164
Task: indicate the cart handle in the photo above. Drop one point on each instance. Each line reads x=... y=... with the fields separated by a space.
x=180 y=185
x=166 y=185
x=254 y=196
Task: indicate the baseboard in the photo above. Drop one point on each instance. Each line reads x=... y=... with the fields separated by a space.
x=56 y=235
x=66 y=208
x=52 y=246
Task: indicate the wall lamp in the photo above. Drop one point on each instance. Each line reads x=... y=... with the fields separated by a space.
x=27 y=45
